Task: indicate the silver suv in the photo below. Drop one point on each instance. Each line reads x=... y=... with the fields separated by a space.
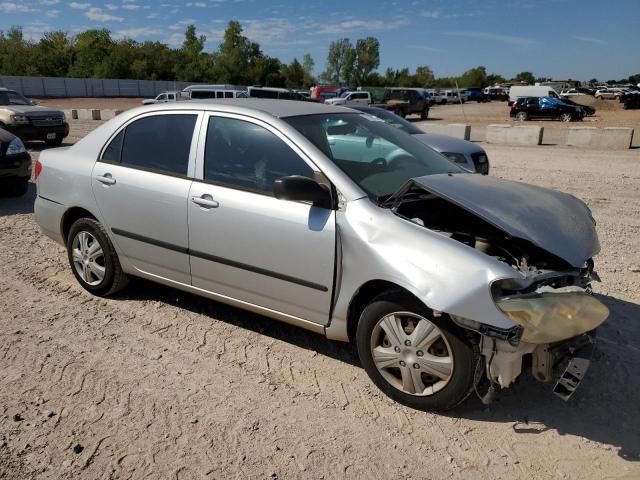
x=279 y=208
x=25 y=119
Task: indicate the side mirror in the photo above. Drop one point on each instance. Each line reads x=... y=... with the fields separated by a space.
x=299 y=188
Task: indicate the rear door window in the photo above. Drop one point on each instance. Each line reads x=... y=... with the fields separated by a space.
x=159 y=143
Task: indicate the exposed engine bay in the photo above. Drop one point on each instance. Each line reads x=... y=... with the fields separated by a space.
x=551 y=307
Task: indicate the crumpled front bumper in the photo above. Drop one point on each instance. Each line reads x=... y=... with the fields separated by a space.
x=571 y=360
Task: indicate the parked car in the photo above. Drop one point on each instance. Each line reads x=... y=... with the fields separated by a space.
x=631 y=102
x=476 y=95
x=587 y=109
x=435 y=96
x=452 y=96
x=27 y=120
x=518 y=91
x=321 y=93
x=608 y=93
x=436 y=275
x=467 y=155
x=405 y=101
x=214 y=91
x=572 y=92
x=351 y=98
x=15 y=165
x=166 y=97
x=527 y=108
x=497 y=93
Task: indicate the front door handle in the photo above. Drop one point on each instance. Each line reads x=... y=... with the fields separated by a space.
x=106 y=179
x=205 y=201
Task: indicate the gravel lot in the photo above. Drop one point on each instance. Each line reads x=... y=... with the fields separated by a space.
x=156 y=383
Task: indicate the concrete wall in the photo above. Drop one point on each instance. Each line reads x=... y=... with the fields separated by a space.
x=88 y=87
x=508 y=135
x=610 y=138
x=457 y=130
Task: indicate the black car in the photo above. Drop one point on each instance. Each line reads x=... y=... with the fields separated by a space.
x=588 y=111
x=15 y=165
x=526 y=108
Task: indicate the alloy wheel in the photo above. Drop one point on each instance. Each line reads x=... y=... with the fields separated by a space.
x=412 y=353
x=88 y=258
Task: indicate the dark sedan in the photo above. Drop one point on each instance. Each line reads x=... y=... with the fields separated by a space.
x=526 y=108
x=15 y=165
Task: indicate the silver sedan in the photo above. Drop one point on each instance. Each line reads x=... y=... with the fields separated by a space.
x=333 y=220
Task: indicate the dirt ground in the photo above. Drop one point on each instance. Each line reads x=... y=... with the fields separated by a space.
x=159 y=384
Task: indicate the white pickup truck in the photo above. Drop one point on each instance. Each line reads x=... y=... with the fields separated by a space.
x=166 y=97
x=351 y=98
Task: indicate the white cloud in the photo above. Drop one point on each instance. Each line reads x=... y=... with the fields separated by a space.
x=508 y=39
x=431 y=13
x=11 y=7
x=370 y=25
x=197 y=4
x=135 y=33
x=96 y=14
x=52 y=13
x=131 y=7
x=49 y=2
x=597 y=41
x=111 y=7
x=79 y=6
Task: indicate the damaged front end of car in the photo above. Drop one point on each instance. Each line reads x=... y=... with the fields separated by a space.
x=549 y=239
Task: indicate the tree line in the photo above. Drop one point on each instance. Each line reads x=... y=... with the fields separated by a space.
x=95 y=53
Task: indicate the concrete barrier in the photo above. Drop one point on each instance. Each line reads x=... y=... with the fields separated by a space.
x=88 y=114
x=508 y=135
x=109 y=114
x=457 y=130
x=70 y=114
x=610 y=138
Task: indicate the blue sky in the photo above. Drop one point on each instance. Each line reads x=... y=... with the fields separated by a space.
x=579 y=39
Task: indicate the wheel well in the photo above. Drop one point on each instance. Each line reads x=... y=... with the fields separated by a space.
x=70 y=216
x=363 y=297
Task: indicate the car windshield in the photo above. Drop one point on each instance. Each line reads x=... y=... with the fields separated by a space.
x=377 y=156
x=344 y=94
x=8 y=97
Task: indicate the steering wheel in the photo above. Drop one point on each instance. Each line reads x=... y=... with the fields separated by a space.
x=401 y=159
x=380 y=161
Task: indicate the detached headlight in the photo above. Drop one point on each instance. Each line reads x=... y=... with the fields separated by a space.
x=455 y=157
x=20 y=119
x=15 y=147
x=549 y=317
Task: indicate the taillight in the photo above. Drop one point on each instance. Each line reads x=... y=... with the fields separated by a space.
x=37 y=169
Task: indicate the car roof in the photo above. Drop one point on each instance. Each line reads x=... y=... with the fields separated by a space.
x=273 y=107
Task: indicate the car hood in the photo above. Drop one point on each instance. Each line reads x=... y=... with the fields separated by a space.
x=554 y=221
x=29 y=109
x=444 y=143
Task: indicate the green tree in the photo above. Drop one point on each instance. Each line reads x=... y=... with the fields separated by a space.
x=308 y=65
x=424 y=76
x=192 y=66
x=475 y=77
x=526 y=77
x=340 y=61
x=294 y=74
x=53 y=54
x=494 y=79
x=92 y=47
x=15 y=53
x=367 y=59
x=240 y=61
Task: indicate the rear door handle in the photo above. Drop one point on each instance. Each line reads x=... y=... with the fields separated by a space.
x=205 y=201
x=106 y=179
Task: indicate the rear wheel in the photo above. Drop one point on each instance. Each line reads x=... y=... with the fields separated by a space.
x=93 y=259
x=416 y=359
x=522 y=116
x=425 y=114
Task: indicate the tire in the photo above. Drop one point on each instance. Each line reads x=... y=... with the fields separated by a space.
x=599 y=97
x=424 y=114
x=566 y=117
x=113 y=278
x=402 y=113
x=56 y=142
x=522 y=116
x=397 y=378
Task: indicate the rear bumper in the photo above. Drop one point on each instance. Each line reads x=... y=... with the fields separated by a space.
x=48 y=216
x=29 y=132
x=16 y=166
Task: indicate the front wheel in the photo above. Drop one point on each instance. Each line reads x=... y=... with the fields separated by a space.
x=55 y=142
x=416 y=359
x=566 y=117
x=425 y=114
x=522 y=116
x=93 y=259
